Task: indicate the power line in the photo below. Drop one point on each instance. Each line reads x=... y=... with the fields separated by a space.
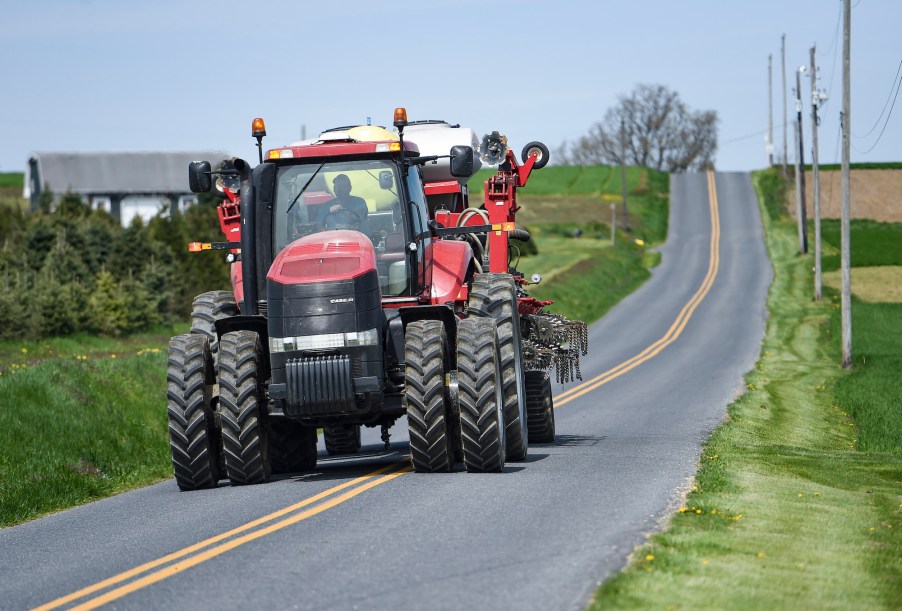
x=835 y=32
x=835 y=50
x=885 y=123
x=877 y=122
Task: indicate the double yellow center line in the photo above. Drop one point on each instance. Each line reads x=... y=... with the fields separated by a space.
x=172 y=564
x=157 y=570
x=678 y=325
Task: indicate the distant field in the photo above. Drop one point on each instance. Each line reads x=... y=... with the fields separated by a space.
x=876 y=193
x=12 y=180
x=873 y=243
x=11 y=185
x=881 y=284
x=570 y=180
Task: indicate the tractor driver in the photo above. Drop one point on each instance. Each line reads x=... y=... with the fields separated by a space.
x=345 y=209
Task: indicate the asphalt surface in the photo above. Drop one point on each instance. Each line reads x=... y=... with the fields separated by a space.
x=542 y=535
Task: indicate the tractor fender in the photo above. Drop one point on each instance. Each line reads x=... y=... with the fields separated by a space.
x=451 y=261
x=243 y=322
x=443 y=313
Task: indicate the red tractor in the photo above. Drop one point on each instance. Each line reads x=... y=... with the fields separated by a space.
x=366 y=289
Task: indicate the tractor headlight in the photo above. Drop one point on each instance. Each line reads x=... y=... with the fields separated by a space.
x=352 y=339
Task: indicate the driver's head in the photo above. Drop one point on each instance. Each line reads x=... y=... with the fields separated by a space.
x=341 y=185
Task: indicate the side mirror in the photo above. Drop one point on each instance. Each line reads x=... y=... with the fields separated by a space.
x=199 y=177
x=461 y=160
x=386 y=180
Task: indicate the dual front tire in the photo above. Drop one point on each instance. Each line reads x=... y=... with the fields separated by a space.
x=247 y=446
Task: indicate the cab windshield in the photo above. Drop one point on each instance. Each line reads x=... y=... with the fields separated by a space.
x=362 y=195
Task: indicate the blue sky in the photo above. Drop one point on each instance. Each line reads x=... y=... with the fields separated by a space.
x=105 y=75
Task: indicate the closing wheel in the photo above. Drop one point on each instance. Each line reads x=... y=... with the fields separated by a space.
x=539 y=407
x=494 y=296
x=244 y=434
x=193 y=436
x=342 y=438
x=431 y=424
x=206 y=309
x=292 y=446
x=479 y=395
x=539 y=149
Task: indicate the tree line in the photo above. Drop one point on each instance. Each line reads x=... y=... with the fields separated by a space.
x=651 y=127
x=74 y=269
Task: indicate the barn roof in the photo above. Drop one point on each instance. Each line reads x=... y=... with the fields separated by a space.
x=125 y=172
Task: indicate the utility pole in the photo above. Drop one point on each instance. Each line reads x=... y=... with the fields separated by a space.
x=845 y=244
x=815 y=102
x=770 y=110
x=785 y=119
x=801 y=211
x=623 y=218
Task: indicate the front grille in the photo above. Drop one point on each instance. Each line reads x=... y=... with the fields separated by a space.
x=319 y=385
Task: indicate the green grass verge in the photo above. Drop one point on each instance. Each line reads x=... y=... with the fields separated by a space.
x=82 y=419
x=795 y=504
x=592 y=286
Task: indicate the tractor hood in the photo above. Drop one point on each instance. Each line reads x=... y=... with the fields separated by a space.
x=322 y=257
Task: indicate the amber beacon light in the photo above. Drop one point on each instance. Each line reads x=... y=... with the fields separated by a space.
x=258 y=128
x=400 y=117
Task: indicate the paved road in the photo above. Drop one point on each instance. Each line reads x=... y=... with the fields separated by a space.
x=540 y=536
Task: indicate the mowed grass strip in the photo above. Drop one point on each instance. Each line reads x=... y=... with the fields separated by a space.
x=796 y=504
x=80 y=422
x=872 y=392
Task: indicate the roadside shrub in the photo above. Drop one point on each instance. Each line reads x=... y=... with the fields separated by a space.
x=74 y=269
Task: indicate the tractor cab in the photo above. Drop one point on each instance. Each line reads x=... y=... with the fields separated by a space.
x=316 y=198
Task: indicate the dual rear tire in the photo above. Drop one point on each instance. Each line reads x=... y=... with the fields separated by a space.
x=494 y=296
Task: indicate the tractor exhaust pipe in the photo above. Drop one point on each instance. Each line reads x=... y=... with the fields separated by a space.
x=248 y=255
